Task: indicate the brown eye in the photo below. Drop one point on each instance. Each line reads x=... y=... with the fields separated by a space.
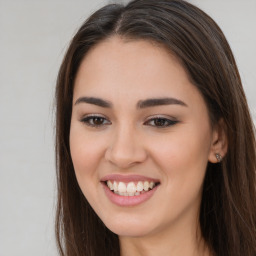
x=161 y=122
x=98 y=120
x=95 y=121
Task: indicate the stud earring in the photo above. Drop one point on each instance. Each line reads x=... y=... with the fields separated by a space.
x=218 y=157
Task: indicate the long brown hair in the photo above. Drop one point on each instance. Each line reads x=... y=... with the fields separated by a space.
x=228 y=207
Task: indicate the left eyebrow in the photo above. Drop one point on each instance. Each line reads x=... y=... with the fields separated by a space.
x=158 y=102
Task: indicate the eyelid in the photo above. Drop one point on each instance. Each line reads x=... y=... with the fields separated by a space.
x=86 y=118
x=171 y=120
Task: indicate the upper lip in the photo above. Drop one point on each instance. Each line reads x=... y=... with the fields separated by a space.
x=127 y=178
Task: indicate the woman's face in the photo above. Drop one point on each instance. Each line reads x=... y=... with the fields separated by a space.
x=139 y=125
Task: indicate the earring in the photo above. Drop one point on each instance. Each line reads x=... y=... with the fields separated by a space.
x=218 y=157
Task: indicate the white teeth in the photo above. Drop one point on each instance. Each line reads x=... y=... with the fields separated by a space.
x=121 y=187
x=131 y=188
x=110 y=185
x=146 y=185
x=115 y=186
x=139 y=186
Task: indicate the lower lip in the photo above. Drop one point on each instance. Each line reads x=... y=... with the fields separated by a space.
x=128 y=200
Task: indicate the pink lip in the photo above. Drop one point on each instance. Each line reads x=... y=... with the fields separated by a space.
x=128 y=200
x=127 y=178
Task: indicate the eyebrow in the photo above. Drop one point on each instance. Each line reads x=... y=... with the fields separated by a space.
x=140 y=105
x=158 y=102
x=95 y=101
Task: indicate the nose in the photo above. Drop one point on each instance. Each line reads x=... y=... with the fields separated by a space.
x=125 y=149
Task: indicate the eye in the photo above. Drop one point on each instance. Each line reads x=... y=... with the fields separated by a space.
x=95 y=121
x=161 y=122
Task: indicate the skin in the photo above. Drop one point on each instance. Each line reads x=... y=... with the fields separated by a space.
x=130 y=141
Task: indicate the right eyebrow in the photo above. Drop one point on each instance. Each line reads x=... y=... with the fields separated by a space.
x=95 y=101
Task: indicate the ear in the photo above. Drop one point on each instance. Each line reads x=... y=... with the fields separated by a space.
x=219 y=143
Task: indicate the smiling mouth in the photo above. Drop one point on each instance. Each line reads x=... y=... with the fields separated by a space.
x=131 y=188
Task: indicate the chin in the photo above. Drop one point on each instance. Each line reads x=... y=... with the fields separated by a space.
x=131 y=227
x=128 y=231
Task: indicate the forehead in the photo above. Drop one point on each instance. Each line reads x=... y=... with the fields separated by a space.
x=121 y=69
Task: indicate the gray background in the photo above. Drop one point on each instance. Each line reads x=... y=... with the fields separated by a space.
x=33 y=37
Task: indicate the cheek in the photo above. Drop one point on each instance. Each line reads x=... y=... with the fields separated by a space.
x=182 y=160
x=183 y=156
x=86 y=152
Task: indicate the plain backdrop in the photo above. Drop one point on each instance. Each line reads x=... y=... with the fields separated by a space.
x=34 y=35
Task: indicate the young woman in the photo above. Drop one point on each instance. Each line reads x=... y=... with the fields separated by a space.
x=155 y=145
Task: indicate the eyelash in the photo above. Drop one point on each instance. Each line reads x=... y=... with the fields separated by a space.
x=86 y=120
x=165 y=122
